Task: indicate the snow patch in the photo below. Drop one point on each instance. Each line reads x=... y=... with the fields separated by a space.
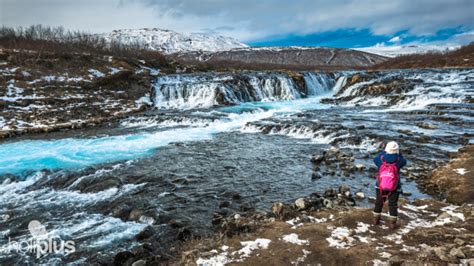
x=227 y=257
x=340 y=238
x=293 y=238
x=96 y=73
x=461 y=171
x=302 y=258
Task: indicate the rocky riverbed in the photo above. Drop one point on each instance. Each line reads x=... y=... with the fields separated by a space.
x=329 y=230
x=217 y=151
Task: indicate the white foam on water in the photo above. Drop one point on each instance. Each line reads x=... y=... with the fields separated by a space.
x=203 y=91
x=21 y=156
x=148 y=122
x=95 y=230
x=436 y=88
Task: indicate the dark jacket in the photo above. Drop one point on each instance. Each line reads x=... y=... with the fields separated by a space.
x=390 y=158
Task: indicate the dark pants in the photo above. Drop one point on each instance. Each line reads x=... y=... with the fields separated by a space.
x=392 y=202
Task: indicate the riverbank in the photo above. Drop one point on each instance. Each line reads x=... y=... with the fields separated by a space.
x=430 y=231
x=46 y=91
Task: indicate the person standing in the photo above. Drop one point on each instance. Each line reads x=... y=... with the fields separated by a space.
x=388 y=184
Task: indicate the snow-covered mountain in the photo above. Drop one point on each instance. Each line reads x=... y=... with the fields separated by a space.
x=169 y=42
x=396 y=50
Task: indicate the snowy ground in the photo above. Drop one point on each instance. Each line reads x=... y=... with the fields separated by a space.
x=349 y=235
x=33 y=99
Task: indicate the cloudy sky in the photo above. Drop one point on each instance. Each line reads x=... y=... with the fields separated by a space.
x=337 y=23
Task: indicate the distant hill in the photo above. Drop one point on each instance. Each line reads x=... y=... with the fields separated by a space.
x=399 y=50
x=167 y=41
x=461 y=57
x=283 y=57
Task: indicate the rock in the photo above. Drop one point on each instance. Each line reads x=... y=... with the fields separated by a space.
x=4 y=217
x=404 y=193
x=277 y=208
x=237 y=216
x=282 y=211
x=457 y=253
x=217 y=219
x=459 y=241
x=122 y=211
x=146 y=219
x=145 y=233
x=443 y=216
x=395 y=260
x=426 y=126
x=135 y=214
x=184 y=234
x=442 y=253
x=360 y=167
x=360 y=195
x=343 y=189
x=123 y=258
x=317 y=158
x=139 y=263
x=224 y=204
x=301 y=204
x=315 y=176
x=234 y=195
x=330 y=193
x=328 y=204
x=245 y=207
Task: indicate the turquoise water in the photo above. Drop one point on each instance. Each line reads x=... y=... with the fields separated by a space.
x=24 y=157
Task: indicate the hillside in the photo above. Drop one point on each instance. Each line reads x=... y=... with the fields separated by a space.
x=400 y=50
x=282 y=57
x=168 y=41
x=462 y=57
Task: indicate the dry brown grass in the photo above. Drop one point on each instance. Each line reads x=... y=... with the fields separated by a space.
x=61 y=42
x=462 y=57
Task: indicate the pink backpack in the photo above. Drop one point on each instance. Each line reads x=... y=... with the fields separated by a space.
x=388 y=176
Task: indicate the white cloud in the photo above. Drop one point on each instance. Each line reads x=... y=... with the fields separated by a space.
x=395 y=39
x=245 y=19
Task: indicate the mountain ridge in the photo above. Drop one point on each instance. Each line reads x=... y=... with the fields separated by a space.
x=168 y=41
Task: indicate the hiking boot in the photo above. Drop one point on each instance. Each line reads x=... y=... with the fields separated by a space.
x=392 y=223
x=376 y=218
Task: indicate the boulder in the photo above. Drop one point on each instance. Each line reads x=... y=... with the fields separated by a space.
x=301 y=204
x=315 y=176
x=344 y=188
x=330 y=193
x=457 y=253
x=317 y=158
x=139 y=263
x=328 y=204
x=442 y=253
x=145 y=233
x=123 y=258
x=282 y=211
x=360 y=195
x=360 y=167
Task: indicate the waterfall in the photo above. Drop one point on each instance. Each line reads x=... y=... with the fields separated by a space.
x=318 y=83
x=340 y=83
x=211 y=89
x=207 y=90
